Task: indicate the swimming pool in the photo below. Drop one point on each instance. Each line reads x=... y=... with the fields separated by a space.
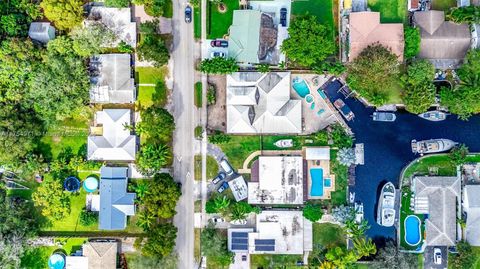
x=316 y=175
x=301 y=87
x=412 y=230
x=327 y=183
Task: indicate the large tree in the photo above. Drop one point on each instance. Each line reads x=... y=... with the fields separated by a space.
x=65 y=14
x=52 y=199
x=160 y=241
x=90 y=40
x=16 y=15
x=153 y=48
x=309 y=42
x=463 y=98
x=374 y=74
x=390 y=257
x=157 y=124
x=419 y=90
x=214 y=246
x=153 y=157
x=162 y=196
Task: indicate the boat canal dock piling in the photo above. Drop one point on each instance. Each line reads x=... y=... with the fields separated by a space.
x=359 y=156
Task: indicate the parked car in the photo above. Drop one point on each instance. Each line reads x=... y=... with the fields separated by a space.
x=244 y=258
x=226 y=167
x=283 y=17
x=219 y=43
x=223 y=187
x=437 y=256
x=188 y=14
x=217 y=220
x=217 y=54
x=221 y=176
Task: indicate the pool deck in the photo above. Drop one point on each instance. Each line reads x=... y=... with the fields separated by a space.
x=311 y=121
x=325 y=165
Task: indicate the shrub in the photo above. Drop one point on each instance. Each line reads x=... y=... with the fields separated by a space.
x=117 y=3
x=312 y=212
x=88 y=218
x=152 y=48
x=124 y=47
x=412 y=42
x=211 y=95
x=218 y=138
x=218 y=65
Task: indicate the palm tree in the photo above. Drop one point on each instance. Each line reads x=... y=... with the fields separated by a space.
x=141 y=189
x=221 y=203
x=463 y=225
x=364 y=248
x=145 y=220
x=346 y=156
x=238 y=213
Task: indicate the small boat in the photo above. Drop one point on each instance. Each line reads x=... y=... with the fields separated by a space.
x=359 y=212
x=432 y=146
x=344 y=109
x=284 y=143
x=384 y=116
x=386 y=205
x=434 y=115
x=352 y=197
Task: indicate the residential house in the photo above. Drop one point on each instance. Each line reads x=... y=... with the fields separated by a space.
x=110 y=138
x=119 y=20
x=99 y=254
x=111 y=79
x=365 y=29
x=471 y=206
x=42 y=32
x=437 y=197
x=115 y=202
x=443 y=43
x=261 y=103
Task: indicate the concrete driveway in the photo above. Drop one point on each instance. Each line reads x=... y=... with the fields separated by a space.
x=428 y=258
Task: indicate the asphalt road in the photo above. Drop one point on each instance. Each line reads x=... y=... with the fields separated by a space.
x=182 y=97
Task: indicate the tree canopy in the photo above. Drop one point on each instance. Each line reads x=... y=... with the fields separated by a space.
x=52 y=199
x=467 y=14
x=309 y=42
x=214 y=246
x=374 y=74
x=412 y=42
x=419 y=90
x=157 y=124
x=312 y=212
x=161 y=197
x=117 y=3
x=90 y=40
x=65 y=14
x=152 y=46
x=218 y=65
x=160 y=241
x=153 y=157
x=15 y=17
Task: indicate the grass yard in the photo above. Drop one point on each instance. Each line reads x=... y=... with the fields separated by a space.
x=270 y=261
x=322 y=9
x=328 y=235
x=196 y=245
x=442 y=162
x=405 y=211
x=150 y=75
x=339 y=196
x=149 y=95
x=198 y=94
x=197 y=22
x=217 y=22
x=394 y=11
x=37 y=258
x=443 y=4
x=212 y=167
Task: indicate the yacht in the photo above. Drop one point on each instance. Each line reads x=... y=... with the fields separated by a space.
x=384 y=116
x=284 y=143
x=432 y=145
x=434 y=115
x=386 y=206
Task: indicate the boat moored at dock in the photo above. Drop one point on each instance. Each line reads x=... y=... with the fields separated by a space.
x=386 y=205
x=433 y=115
x=432 y=145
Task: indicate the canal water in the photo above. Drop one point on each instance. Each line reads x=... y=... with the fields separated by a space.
x=387 y=150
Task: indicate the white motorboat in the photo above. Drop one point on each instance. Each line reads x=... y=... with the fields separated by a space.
x=384 y=116
x=284 y=143
x=359 y=212
x=352 y=197
x=434 y=115
x=432 y=145
x=386 y=206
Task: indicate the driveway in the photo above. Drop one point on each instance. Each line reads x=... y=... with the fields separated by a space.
x=428 y=258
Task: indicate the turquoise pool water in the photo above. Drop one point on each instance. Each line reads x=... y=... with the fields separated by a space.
x=301 y=87
x=316 y=174
x=412 y=230
x=328 y=182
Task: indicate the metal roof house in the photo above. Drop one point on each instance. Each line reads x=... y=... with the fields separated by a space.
x=443 y=43
x=110 y=140
x=471 y=206
x=261 y=103
x=111 y=79
x=119 y=20
x=115 y=202
x=437 y=197
x=41 y=32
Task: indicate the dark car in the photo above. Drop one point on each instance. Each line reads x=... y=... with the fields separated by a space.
x=217 y=54
x=219 y=43
x=221 y=176
x=223 y=187
x=283 y=17
x=188 y=14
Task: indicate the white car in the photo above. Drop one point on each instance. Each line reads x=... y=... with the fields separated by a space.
x=437 y=256
x=217 y=220
x=226 y=167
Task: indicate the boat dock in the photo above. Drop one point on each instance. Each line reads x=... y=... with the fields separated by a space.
x=359 y=155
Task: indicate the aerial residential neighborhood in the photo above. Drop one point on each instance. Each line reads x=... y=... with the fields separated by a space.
x=239 y=134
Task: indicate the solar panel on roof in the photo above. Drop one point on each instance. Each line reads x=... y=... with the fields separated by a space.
x=239 y=241
x=264 y=247
x=239 y=234
x=239 y=246
x=264 y=241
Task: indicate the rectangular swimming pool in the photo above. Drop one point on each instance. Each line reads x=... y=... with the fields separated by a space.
x=328 y=182
x=316 y=176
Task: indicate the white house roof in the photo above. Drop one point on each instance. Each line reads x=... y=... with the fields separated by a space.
x=437 y=197
x=116 y=143
x=472 y=208
x=317 y=153
x=261 y=103
x=112 y=81
x=119 y=20
x=239 y=188
x=280 y=181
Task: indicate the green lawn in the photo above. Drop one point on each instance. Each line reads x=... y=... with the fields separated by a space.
x=273 y=261
x=197 y=22
x=339 y=196
x=476 y=250
x=150 y=75
x=145 y=95
x=394 y=11
x=196 y=245
x=405 y=211
x=322 y=9
x=328 y=235
x=198 y=94
x=212 y=167
x=442 y=162
x=37 y=258
x=218 y=23
x=443 y=4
